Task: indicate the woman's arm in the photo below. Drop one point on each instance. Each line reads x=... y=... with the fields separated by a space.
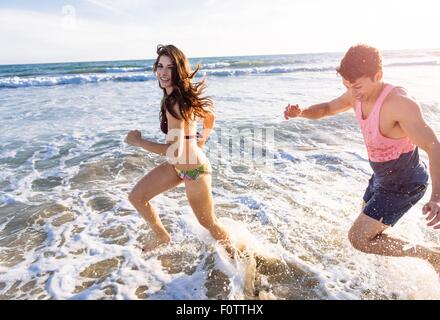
x=134 y=138
x=208 y=126
x=174 y=145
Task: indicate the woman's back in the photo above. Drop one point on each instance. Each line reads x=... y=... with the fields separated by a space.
x=191 y=155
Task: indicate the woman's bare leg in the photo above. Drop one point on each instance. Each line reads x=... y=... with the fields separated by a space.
x=199 y=194
x=158 y=180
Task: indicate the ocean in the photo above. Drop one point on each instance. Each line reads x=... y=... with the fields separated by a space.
x=68 y=231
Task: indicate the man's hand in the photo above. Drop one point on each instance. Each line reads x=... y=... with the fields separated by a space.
x=134 y=137
x=432 y=208
x=292 y=111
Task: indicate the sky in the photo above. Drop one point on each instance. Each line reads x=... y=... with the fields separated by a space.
x=95 y=30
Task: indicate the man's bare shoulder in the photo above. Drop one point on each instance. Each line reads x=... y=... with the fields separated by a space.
x=399 y=95
x=399 y=102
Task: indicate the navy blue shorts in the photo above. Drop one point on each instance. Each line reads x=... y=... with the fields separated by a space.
x=388 y=206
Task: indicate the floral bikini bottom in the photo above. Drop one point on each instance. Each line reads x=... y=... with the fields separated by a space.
x=193 y=174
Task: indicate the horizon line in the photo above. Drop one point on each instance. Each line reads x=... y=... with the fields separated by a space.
x=208 y=57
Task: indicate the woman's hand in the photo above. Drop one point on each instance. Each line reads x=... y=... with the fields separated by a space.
x=134 y=137
x=201 y=143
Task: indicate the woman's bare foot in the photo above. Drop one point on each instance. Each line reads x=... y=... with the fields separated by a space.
x=230 y=249
x=247 y=258
x=155 y=242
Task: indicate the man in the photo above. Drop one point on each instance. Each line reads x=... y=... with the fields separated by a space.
x=393 y=128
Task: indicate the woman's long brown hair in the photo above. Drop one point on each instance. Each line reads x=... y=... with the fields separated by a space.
x=185 y=93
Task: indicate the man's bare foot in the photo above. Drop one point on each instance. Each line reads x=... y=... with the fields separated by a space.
x=434 y=259
x=155 y=242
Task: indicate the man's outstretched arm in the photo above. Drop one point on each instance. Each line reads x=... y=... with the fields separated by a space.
x=318 y=111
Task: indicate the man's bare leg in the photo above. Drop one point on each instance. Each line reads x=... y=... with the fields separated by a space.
x=367 y=235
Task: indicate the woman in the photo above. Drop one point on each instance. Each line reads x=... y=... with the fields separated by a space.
x=181 y=106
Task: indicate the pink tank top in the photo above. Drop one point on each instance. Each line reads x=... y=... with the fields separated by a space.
x=380 y=148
